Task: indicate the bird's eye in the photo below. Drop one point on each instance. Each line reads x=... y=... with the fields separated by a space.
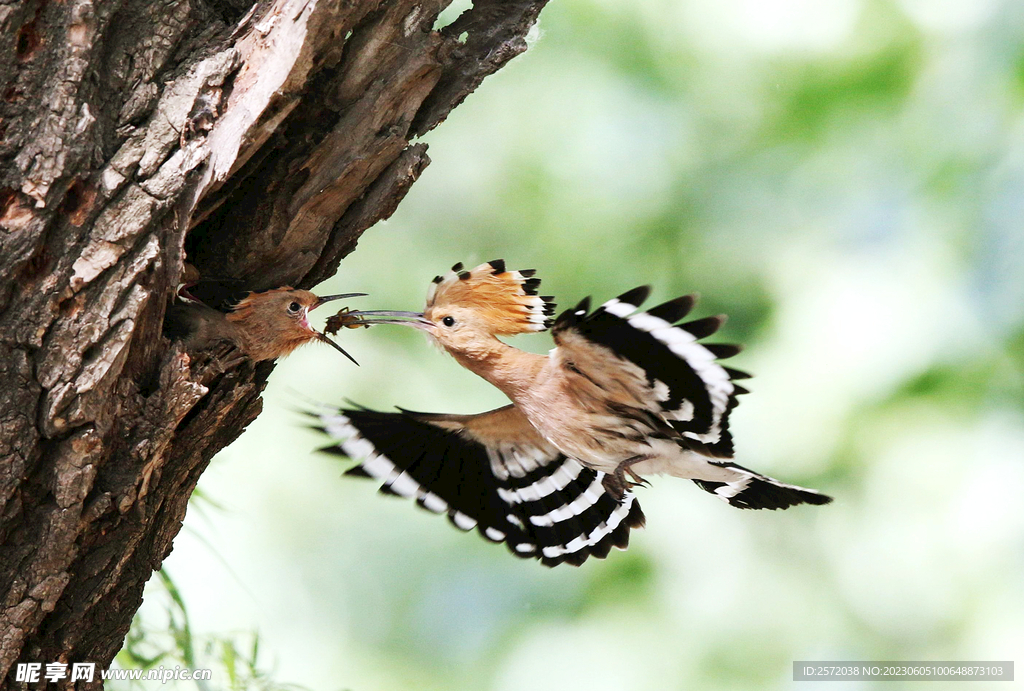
x=294 y=308
x=448 y=321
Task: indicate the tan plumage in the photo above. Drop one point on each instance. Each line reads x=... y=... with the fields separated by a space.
x=274 y=323
x=623 y=394
x=594 y=404
x=505 y=425
x=504 y=303
x=573 y=397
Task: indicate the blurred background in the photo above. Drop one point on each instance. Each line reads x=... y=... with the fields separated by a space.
x=844 y=180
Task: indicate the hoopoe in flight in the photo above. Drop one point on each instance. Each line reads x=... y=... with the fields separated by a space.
x=263 y=325
x=622 y=395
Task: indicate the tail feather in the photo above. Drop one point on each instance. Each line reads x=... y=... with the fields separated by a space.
x=754 y=491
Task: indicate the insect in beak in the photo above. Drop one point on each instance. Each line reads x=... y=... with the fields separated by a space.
x=323 y=336
x=371 y=317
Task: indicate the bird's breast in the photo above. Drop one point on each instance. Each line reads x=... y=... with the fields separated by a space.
x=585 y=428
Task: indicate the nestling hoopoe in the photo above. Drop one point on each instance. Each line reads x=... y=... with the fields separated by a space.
x=262 y=324
x=623 y=394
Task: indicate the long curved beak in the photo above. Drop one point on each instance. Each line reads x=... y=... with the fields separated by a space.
x=329 y=298
x=323 y=337
x=371 y=317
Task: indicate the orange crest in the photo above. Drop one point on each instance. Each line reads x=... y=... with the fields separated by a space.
x=506 y=300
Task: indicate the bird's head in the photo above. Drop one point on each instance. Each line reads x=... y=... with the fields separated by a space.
x=276 y=322
x=466 y=308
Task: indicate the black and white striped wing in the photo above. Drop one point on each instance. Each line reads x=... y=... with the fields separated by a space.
x=492 y=472
x=690 y=389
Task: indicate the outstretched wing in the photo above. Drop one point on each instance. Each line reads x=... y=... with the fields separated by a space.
x=492 y=472
x=686 y=387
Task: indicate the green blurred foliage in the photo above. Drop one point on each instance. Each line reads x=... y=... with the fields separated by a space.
x=166 y=641
x=843 y=179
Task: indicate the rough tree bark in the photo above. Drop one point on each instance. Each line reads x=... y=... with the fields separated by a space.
x=261 y=141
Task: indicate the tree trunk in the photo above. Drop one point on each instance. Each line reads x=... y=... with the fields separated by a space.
x=258 y=141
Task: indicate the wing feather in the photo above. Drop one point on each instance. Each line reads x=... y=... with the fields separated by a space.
x=492 y=472
x=686 y=386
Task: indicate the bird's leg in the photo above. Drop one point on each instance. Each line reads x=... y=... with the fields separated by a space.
x=616 y=482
